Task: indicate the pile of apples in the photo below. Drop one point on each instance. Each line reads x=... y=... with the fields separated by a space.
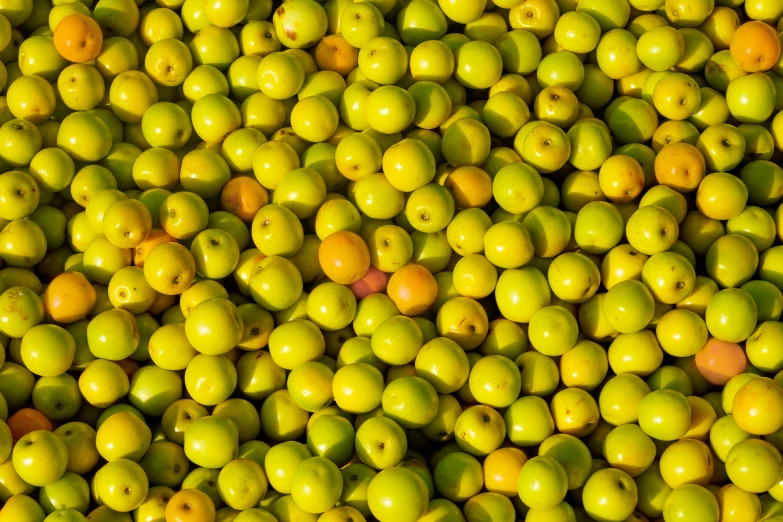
x=391 y=260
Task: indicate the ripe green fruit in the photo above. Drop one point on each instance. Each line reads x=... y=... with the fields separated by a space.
x=543 y=483
x=397 y=494
x=121 y=485
x=316 y=485
x=301 y=24
x=211 y=442
x=433 y=271
x=609 y=494
x=40 y=458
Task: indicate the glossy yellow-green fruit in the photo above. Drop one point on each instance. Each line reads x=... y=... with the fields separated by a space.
x=616 y=54
x=665 y=415
x=620 y=397
x=121 y=485
x=691 y=500
x=123 y=436
x=35 y=448
x=752 y=463
x=48 y=350
x=242 y=484
x=687 y=462
x=542 y=483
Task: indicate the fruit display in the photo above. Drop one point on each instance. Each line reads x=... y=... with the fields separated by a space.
x=391 y=260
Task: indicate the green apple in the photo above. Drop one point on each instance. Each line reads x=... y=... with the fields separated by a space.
x=397 y=494
x=33 y=450
x=242 y=484
x=332 y=437
x=610 y=494
x=381 y=442
x=542 y=483
x=121 y=485
x=211 y=442
x=316 y=485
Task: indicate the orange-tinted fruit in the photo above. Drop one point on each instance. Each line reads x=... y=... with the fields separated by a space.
x=718 y=361
x=26 y=420
x=680 y=167
x=344 y=257
x=755 y=47
x=470 y=186
x=78 y=38
x=333 y=53
x=243 y=196
x=413 y=289
x=69 y=297
x=372 y=282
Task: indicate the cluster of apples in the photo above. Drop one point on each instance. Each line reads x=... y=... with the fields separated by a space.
x=392 y=260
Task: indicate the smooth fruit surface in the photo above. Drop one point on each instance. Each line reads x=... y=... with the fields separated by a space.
x=416 y=261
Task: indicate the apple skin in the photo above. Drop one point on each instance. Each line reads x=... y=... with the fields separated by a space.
x=691 y=498
x=35 y=448
x=211 y=442
x=610 y=494
x=381 y=443
x=483 y=273
x=397 y=494
x=411 y=401
x=663 y=414
x=332 y=436
x=317 y=484
x=121 y=485
x=70 y=492
x=280 y=463
x=542 y=474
